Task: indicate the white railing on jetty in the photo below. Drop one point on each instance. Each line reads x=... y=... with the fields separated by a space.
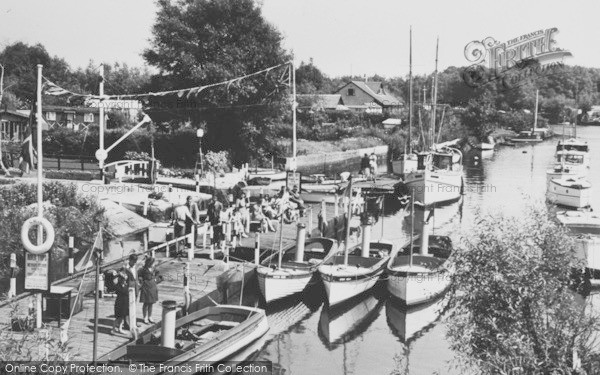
x=129 y=169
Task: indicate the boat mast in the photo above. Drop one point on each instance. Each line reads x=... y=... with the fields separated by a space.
x=412 y=226
x=280 y=241
x=434 y=102
x=294 y=130
x=348 y=217
x=536 y=110
x=410 y=94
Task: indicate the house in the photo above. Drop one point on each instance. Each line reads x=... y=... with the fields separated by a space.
x=75 y=118
x=321 y=102
x=369 y=97
x=13 y=125
x=391 y=123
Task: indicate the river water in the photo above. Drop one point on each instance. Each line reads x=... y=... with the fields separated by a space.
x=374 y=335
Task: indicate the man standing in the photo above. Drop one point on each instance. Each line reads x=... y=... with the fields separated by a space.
x=214 y=218
x=373 y=164
x=132 y=282
x=194 y=212
x=180 y=215
x=364 y=166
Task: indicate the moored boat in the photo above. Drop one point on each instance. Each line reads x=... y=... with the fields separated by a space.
x=212 y=334
x=569 y=192
x=273 y=174
x=561 y=171
x=347 y=278
x=290 y=270
x=439 y=178
x=527 y=136
x=580 y=221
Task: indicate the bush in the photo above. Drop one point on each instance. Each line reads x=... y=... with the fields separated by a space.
x=73 y=175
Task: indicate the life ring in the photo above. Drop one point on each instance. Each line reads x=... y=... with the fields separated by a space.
x=30 y=247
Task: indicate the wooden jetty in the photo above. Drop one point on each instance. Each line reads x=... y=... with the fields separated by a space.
x=210 y=281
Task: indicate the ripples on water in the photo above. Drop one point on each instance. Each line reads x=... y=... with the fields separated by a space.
x=374 y=334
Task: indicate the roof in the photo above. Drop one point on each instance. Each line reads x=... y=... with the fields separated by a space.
x=15 y=113
x=392 y=121
x=121 y=222
x=377 y=92
x=60 y=108
x=323 y=101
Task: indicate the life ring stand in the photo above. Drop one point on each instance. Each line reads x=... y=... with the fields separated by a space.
x=27 y=244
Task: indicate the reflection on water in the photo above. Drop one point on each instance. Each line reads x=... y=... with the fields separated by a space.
x=305 y=339
x=343 y=323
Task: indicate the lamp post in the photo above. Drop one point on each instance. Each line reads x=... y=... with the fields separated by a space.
x=200 y=134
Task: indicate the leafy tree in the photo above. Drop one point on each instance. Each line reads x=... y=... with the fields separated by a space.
x=514 y=308
x=204 y=42
x=480 y=118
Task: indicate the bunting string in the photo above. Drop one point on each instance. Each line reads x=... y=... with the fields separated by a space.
x=51 y=88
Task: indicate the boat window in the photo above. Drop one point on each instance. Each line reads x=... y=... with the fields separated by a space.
x=442 y=161
x=570 y=158
x=421 y=161
x=582 y=148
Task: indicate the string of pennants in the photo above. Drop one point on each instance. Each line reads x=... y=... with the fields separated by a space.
x=51 y=88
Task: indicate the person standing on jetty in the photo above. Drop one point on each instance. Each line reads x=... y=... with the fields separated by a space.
x=214 y=218
x=148 y=289
x=195 y=215
x=373 y=164
x=121 y=288
x=132 y=278
x=181 y=214
x=364 y=165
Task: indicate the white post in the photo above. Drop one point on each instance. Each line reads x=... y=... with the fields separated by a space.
x=132 y=313
x=310 y=221
x=336 y=208
x=101 y=121
x=101 y=285
x=186 y=288
x=169 y=315
x=366 y=240
x=145 y=209
x=40 y=182
x=13 y=276
x=192 y=241
x=145 y=240
x=257 y=249
x=300 y=241
x=71 y=260
x=425 y=233
x=211 y=256
x=197 y=177
x=204 y=235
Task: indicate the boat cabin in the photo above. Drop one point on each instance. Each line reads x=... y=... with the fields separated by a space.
x=526 y=134
x=571 y=157
x=572 y=145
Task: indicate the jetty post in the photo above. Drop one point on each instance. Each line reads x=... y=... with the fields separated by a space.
x=425 y=233
x=13 y=276
x=257 y=249
x=71 y=260
x=300 y=242
x=366 y=237
x=169 y=313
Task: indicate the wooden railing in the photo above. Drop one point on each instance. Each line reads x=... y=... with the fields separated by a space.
x=129 y=169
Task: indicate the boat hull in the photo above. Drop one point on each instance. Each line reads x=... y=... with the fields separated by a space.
x=431 y=187
x=568 y=196
x=278 y=284
x=417 y=287
x=342 y=282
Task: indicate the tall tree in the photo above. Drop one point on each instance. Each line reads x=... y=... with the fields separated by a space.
x=203 y=42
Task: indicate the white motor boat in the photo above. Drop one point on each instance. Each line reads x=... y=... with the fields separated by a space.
x=439 y=177
x=569 y=192
x=290 y=270
x=419 y=278
x=580 y=221
x=347 y=276
x=576 y=160
x=561 y=171
x=572 y=144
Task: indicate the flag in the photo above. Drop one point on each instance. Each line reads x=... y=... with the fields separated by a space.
x=27 y=152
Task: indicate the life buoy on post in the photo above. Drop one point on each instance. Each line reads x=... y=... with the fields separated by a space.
x=27 y=244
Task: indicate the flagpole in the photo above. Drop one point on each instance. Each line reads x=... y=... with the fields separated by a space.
x=412 y=226
x=97 y=295
x=40 y=182
x=101 y=121
x=348 y=217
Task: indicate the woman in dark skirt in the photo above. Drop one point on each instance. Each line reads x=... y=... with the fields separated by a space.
x=122 y=301
x=148 y=290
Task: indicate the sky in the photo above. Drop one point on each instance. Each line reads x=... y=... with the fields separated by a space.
x=341 y=36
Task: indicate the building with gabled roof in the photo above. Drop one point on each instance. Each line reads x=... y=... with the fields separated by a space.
x=321 y=102
x=370 y=97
